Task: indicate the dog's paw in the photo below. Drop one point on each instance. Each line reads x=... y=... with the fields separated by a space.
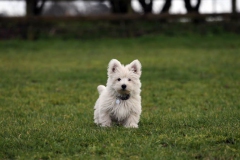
x=132 y=125
x=105 y=125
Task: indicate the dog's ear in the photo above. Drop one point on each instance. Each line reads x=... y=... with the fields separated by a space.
x=113 y=66
x=136 y=67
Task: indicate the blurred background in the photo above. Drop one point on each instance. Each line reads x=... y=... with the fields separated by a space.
x=36 y=19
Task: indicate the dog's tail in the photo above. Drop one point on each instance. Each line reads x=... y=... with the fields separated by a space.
x=101 y=88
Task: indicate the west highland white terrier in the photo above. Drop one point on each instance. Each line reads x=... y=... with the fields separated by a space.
x=120 y=100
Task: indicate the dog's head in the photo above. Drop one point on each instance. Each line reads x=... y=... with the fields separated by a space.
x=124 y=79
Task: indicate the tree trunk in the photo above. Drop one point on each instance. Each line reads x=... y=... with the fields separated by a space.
x=38 y=9
x=234 y=10
x=234 y=7
x=29 y=7
x=166 y=6
x=32 y=7
x=147 y=8
x=120 y=6
x=190 y=8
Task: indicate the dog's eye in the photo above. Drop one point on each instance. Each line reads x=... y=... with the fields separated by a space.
x=129 y=79
x=119 y=79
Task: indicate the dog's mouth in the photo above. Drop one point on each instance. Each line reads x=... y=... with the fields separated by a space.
x=123 y=96
x=123 y=91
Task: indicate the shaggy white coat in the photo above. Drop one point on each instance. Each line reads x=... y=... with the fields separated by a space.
x=126 y=112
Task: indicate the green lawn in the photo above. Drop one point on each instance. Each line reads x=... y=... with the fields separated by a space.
x=190 y=98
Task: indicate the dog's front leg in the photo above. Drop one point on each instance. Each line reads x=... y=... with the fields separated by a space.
x=105 y=120
x=132 y=121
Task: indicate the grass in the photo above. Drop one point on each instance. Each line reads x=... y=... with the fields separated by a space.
x=190 y=98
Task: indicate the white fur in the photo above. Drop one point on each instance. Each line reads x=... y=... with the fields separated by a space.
x=128 y=111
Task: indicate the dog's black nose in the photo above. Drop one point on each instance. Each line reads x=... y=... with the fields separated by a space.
x=124 y=86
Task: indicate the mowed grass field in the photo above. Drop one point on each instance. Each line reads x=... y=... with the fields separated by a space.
x=190 y=98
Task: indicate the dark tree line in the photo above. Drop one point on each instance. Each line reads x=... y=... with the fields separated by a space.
x=35 y=7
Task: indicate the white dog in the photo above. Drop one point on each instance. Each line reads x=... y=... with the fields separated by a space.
x=120 y=100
